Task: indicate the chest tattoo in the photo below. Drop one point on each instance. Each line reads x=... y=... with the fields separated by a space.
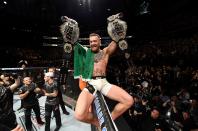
x=98 y=56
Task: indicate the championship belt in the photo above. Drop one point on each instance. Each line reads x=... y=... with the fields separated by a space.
x=117 y=29
x=67 y=48
x=70 y=32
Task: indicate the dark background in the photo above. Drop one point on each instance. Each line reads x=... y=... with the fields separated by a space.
x=25 y=23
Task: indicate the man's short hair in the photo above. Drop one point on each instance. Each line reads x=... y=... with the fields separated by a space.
x=156 y=108
x=95 y=34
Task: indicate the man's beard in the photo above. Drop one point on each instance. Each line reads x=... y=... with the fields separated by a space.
x=95 y=50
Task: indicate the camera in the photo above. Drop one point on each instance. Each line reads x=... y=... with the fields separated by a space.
x=14 y=75
x=173 y=125
x=157 y=126
x=11 y=75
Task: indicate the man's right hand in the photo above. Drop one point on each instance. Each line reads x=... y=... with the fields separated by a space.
x=18 y=128
x=43 y=92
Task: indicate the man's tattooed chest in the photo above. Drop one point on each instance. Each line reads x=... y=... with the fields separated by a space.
x=98 y=56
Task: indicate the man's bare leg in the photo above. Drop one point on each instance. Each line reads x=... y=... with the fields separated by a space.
x=125 y=100
x=82 y=111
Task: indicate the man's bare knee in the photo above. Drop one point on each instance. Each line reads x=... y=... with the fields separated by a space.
x=79 y=116
x=129 y=101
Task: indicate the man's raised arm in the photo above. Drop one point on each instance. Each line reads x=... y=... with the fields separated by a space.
x=111 y=47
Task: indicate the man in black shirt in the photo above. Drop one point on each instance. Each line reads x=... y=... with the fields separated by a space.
x=59 y=84
x=7 y=115
x=28 y=95
x=23 y=64
x=52 y=101
x=151 y=121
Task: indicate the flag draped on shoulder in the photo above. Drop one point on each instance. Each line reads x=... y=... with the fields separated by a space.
x=83 y=62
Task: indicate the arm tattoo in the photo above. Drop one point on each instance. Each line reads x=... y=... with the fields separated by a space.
x=98 y=56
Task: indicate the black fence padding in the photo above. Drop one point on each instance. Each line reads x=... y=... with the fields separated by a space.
x=103 y=113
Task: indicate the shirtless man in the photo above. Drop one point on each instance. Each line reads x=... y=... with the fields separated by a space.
x=100 y=83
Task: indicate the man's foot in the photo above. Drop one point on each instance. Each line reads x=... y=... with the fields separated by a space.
x=41 y=123
x=66 y=112
x=19 y=108
x=57 y=128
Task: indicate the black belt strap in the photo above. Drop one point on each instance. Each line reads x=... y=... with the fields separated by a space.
x=98 y=77
x=90 y=88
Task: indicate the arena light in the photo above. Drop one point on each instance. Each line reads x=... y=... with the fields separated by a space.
x=5 y=2
x=85 y=4
x=51 y=37
x=144 y=7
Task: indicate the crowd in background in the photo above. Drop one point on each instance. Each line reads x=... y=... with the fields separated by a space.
x=162 y=76
x=163 y=79
x=169 y=88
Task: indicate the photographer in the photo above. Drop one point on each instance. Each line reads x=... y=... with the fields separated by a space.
x=137 y=112
x=28 y=95
x=151 y=121
x=7 y=116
